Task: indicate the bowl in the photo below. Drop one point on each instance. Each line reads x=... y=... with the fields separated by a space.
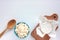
x=17 y=33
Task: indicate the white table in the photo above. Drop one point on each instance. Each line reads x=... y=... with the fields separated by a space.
x=26 y=11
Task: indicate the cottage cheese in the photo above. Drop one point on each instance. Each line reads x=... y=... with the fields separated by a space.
x=47 y=27
x=22 y=30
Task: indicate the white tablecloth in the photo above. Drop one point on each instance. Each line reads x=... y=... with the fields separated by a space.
x=26 y=11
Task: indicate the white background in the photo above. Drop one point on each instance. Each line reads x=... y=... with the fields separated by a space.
x=27 y=11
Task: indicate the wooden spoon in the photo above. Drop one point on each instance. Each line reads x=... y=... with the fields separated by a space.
x=10 y=25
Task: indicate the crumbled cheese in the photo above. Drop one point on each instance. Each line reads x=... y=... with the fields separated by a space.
x=22 y=30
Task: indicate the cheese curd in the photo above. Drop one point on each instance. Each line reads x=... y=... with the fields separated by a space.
x=22 y=30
